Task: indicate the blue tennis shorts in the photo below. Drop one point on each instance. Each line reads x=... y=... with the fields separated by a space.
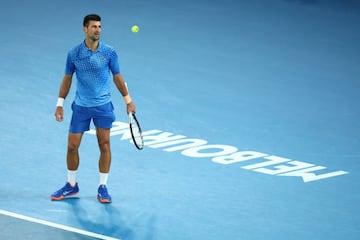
x=103 y=116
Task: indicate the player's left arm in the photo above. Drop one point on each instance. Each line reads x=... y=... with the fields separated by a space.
x=121 y=86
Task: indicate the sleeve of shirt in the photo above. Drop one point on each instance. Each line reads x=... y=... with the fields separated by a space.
x=70 y=66
x=114 y=63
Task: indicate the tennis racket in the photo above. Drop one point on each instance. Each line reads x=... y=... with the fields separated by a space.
x=136 y=132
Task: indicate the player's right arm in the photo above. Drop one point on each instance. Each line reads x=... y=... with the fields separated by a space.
x=64 y=91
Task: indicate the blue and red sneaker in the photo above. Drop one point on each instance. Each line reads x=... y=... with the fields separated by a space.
x=103 y=195
x=65 y=191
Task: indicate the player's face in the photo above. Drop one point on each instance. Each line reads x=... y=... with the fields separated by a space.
x=93 y=30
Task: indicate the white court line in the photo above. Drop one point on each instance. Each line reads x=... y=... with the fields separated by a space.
x=55 y=225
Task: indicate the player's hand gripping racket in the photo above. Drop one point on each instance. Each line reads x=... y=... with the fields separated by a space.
x=136 y=132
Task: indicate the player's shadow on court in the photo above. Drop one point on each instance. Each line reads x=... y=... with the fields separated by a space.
x=104 y=219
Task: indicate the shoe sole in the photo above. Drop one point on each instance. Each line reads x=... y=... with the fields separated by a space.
x=103 y=200
x=62 y=197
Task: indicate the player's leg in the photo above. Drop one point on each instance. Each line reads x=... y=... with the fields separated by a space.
x=103 y=122
x=71 y=187
x=103 y=137
x=80 y=122
x=72 y=158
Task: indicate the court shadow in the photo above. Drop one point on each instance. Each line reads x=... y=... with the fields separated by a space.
x=353 y=5
x=105 y=219
x=305 y=2
x=144 y=223
x=310 y=2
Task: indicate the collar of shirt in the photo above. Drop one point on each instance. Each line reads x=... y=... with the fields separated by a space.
x=85 y=51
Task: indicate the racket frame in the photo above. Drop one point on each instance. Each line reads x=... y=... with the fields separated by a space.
x=133 y=117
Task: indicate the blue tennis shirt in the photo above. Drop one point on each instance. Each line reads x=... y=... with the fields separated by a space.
x=93 y=72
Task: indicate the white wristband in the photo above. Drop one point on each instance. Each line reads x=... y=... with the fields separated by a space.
x=127 y=99
x=60 y=102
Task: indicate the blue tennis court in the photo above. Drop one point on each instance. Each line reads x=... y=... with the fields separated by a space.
x=250 y=113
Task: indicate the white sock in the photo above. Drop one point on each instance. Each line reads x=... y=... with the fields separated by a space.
x=103 y=178
x=72 y=177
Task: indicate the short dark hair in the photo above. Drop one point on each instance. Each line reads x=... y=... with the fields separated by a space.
x=91 y=17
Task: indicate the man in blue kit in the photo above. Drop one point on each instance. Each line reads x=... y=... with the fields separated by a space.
x=93 y=62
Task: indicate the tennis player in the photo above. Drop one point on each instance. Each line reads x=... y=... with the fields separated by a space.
x=94 y=63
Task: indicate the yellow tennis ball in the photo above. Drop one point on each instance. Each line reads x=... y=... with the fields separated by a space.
x=135 y=29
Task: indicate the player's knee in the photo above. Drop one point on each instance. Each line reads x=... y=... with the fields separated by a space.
x=104 y=146
x=72 y=147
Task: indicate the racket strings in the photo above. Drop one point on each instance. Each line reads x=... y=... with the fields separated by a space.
x=137 y=134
